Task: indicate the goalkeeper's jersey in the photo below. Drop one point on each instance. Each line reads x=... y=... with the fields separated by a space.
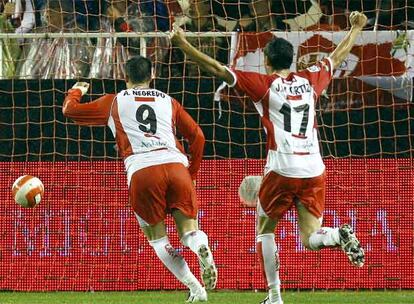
x=287 y=108
x=144 y=124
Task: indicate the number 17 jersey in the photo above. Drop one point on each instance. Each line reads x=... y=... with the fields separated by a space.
x=287 y=109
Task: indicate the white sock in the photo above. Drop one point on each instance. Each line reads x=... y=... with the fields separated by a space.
x=269 y=257
x=194 y=239
x=174 y=262
x=324 y=237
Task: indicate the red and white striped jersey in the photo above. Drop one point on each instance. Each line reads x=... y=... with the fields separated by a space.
x=144 y=124
x=287 y=108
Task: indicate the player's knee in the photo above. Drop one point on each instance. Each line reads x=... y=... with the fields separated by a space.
x=153 y=236
x=155 y=232
x=265 y=225
x=306 y=230
x=304 y=237
x=264 y=230
x=184 y=224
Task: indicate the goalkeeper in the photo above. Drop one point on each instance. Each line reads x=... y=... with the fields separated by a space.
x=294 y=172
x=144 y=122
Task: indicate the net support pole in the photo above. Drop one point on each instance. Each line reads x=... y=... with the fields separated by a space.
x=142 y=47
x=378 y=9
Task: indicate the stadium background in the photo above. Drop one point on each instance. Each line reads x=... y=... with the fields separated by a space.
x=84 y=236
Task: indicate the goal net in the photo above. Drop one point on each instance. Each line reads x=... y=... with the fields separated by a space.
x=84 y=236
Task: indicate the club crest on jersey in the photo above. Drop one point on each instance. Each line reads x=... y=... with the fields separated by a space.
x=325 y=66
x=313 y=69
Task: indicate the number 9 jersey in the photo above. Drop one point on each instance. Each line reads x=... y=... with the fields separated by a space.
x=287 y=109
x=144 y=123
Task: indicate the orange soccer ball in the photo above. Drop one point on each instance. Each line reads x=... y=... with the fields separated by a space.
x=27 y=191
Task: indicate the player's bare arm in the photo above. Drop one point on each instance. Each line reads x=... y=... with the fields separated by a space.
x=205 y=62
x=358 y=21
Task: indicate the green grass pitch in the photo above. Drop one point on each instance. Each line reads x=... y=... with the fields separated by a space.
x=219 y=297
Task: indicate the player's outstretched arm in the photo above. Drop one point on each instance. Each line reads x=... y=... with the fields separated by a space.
x=206 y=63
x=95 y=113
x=358 y=21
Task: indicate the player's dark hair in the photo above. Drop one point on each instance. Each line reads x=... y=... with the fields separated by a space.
x=138 y=69
x=279 y=52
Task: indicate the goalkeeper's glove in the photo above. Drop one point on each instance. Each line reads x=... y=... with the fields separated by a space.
x=82 y=86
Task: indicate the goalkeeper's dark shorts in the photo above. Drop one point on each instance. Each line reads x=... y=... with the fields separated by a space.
x=279 y=193
x=155 y=191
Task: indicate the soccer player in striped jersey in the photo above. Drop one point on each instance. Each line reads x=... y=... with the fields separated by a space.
x=160 y=177
x=294 y=171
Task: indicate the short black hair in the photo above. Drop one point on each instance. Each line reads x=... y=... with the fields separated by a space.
x=279 y=52
x=138 y=69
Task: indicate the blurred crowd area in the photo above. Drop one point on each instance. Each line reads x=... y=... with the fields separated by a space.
x=104 y=57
